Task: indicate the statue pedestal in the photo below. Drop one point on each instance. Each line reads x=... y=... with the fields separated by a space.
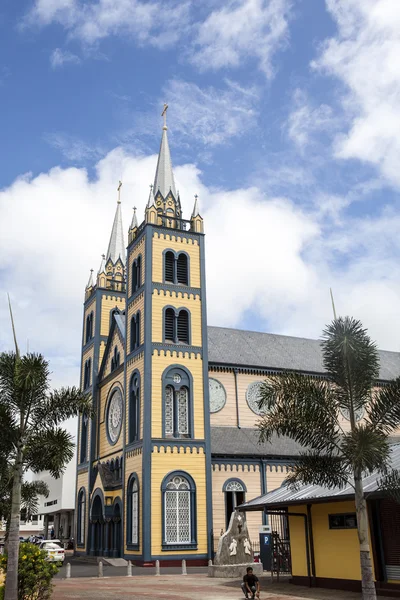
x=234 y=571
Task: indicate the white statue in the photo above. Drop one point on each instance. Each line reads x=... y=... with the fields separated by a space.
x=247 y=546
x=232 y=548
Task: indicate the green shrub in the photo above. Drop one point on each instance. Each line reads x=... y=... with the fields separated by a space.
x=34 y=573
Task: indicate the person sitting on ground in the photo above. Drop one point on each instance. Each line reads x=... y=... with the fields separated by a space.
x=250 y=584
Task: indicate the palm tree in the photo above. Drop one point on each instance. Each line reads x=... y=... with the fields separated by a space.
x=32 y=438
x=307 y=410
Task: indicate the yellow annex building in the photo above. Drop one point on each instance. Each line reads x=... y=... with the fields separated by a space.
x=173 y=447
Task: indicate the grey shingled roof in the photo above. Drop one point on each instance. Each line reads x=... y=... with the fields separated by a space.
x=284 y=496
x=120 y=320
x=271 y=351
x=239 y=442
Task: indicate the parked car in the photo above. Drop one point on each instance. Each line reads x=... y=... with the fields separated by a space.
x=53 y=548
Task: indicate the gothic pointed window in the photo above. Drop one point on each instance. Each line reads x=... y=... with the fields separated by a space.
x=133 y=333
x=235 y=494
x=169 y=267
x=81 y=517
x=137 y=329
x=176 y=326
x=177 y=404
x=139 y=271
x=86 y=373
x=134 y=277
x=84 y=439
x=133 y=511
x=134 y=408
x=115 y=359
x=89 y=328
x=182 y=269
x=179 y=510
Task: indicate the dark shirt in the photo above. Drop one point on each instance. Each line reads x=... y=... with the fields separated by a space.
x=251 y=580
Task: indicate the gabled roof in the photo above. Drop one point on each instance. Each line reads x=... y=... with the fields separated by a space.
x=279 y=352
x=284 y=496
x=116 y=247
x=118 y=328
x=164 y=179
x=233 y=441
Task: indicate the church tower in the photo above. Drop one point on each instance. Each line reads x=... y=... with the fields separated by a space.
x=144 y=491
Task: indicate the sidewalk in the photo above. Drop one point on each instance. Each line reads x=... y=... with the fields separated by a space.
x=190 y=587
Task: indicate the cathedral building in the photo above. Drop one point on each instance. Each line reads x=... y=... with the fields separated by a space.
x=173 y=447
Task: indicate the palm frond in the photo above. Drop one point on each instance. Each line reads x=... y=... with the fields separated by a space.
x=62 y=404
x=315 y=469
x=302 y=408
x=49 y=450
x=366 y=449
x=30 y=492
x=390 y=485
x=383 y=410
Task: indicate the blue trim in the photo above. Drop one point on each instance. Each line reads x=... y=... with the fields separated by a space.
x=178 y=233
x=176 y=315
x=234 y=479
x=116 y=386
x=179 y=348
x=207 y=426
x=187 y=381
x=133 y=297
x=146 y=462
x=177 y=443
x=264 y=489
x=186 y=557
x=131 y=440
x=132 y=477
x=181 y=289
x=193 y=516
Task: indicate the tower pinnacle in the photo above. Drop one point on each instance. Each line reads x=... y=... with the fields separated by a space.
x=116 y=247
x=164 y=180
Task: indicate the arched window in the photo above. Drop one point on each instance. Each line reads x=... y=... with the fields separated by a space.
x=84 y=438
x=135 y=332
x=80 y=524
x=177 y=403
x=89 y=328
x=179 y=510
x=132 y=532
x=176 y=326
x=115 y=359
x=182 y=269
x=137 y=329
x=169 y=267
x=136 y=274
x=134 y=407
x=235 y=492
x=86 y=373
x=139 y=271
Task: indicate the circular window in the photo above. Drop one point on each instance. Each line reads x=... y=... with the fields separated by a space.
x=359 y=413
x=114 y=416
x=253 y=397
x=217 y=395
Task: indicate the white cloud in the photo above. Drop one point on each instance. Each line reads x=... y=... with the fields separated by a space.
x=74 y=149
x=264 y=255
x=306 y=120
x=156 y=23
x=364 y=55
x=239 y=30
x=59 y=57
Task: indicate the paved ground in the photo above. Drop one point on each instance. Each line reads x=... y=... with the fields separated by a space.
x=178 y=587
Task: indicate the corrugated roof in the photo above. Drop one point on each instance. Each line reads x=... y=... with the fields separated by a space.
x=244 y=442
x=271 y=351
x=284 y=496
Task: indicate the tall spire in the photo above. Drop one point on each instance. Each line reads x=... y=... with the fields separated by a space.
x=116 y=247
x=164 y=179
x=150 y=201
x=102 y=268
x=134 y=219
x=195 y=212
x=90 y=283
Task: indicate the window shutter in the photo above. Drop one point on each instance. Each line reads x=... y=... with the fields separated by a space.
x=182 y=269
x=183 y=327
x=169 y=267
x=169 y=324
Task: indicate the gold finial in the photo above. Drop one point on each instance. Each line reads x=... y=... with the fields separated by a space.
x=119 y=191
x=164 y=114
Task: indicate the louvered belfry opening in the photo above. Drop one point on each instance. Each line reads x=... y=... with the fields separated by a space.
x=182 y=269
x=169 y=325
x=169 y=267
x=183 y=326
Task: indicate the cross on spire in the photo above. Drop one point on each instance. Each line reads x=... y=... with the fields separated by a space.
x=164 y=114
x=119 y=191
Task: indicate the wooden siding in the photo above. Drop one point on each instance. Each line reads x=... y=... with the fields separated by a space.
x=137 y=249
x=251 y=479
x=108 y=303
x=133 y=308
x=275 y=475
x=163 y=462
x=177 y=300
x=115 y=341
x=227 y=415
x=162 y=242
x=135 y=363
x=195 y=366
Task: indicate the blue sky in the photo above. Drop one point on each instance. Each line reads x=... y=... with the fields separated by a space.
x=283 y=116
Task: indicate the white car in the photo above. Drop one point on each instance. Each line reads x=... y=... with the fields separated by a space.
x=54 y=549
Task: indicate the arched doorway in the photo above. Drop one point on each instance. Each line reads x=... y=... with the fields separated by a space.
x=97 y=526
x=116 y=530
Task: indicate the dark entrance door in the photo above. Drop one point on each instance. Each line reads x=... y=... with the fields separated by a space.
x=116 y=531
x=389 y=512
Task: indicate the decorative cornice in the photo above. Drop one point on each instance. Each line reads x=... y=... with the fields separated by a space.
x=176 y=289
x=178 y=349
x=187 y=446
x=139 y=292
x=176 y=234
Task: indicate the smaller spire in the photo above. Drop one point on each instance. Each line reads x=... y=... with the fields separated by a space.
x=195 y=212
x=90 y=283
x=134 y=219
x=102 y=264
x=150 y=201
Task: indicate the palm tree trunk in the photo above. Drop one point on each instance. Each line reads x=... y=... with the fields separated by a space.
x=11 y=587
x=367 y=577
